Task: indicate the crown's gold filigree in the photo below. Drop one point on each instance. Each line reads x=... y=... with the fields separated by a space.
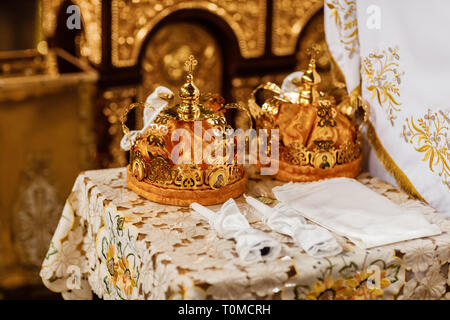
x=324 y=156
x=325 y=113
x=150 y=160
x=160 y=171
x=313 y=132
x=155 y=174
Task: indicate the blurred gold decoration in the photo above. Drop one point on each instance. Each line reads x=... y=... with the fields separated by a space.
x=23 y=63
x=266 y=199
x=165 y=55
x=116 y=101
x=91 y=12
x=155 y=175
x=50 y=9
x=36 y=212
x=247 y=19
x=91 y=17
x=316 y=140
x=289 y=19
x=47 y=122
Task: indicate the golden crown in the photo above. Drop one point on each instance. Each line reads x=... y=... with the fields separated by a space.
x=152 y=172
x=316 y=140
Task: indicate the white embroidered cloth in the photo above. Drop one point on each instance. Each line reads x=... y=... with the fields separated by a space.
x=315 y=240
x=403 y=71
x=252 y=245
x=352 y=210
x=111 y=242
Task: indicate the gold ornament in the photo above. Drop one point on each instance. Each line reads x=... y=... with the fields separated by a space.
x=138 y=167
x=218 y=178
x=189 y=109
x=316 y=140
x=154 y=174
x=308 y=82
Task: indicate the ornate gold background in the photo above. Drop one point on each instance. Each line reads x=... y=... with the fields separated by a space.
x=289 y=19
x=91 y=16
x=245 y=17
x=167 y=51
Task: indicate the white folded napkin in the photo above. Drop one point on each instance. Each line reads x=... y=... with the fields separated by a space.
x=252 y=245
x=350 y=209
x=316 y=241
x=157 y=104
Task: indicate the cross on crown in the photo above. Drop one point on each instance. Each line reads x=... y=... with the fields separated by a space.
x=313 y=51
x=190 y=64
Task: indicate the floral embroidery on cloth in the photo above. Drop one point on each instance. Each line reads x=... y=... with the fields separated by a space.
x=370 y=276
x=429 y=135
x=382 y=77
x=113 y=243
x=344 y=15
x=119 y=267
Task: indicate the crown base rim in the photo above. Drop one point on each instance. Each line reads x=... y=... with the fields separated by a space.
x=289 y=172
x=183 y=197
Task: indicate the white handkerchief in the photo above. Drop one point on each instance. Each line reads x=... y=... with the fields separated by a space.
x=315 y=240
x=252 y=245
x=157 y=104
x=350 y=209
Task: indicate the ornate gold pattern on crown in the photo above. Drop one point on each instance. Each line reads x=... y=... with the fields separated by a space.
x=159 y=171
x=325 y=156
x=188 y=177
x=150 y=152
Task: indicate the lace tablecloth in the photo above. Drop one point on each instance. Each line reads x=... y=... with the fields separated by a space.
x=118 y=245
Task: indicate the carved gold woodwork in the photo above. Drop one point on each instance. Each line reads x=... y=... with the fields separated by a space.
x=132 y=20
x=91 y=17
x=50 y=9
x=289 y=19
x=246 y=18
x=166 y=53
x=116 y=100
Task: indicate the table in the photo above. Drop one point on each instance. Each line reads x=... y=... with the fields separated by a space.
x=118 y=245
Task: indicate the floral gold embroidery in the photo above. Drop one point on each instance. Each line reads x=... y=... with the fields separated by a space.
x=344 y=14
x=118 y=256
x=378 y=277
x=383 y=78
x=429 y=135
